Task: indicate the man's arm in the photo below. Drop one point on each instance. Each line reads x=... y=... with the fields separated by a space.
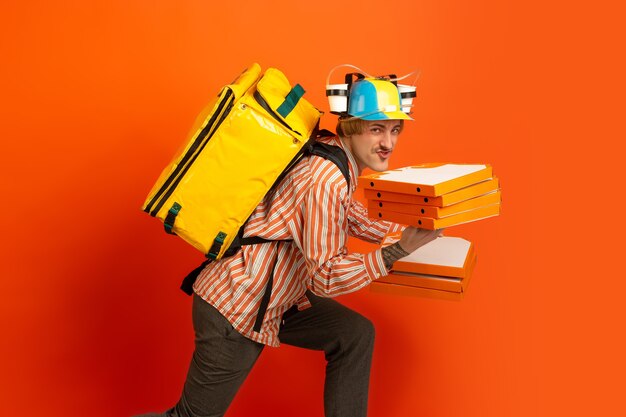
x=332 y=270
x=364 y=228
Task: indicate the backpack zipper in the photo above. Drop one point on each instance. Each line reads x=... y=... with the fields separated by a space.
x=190 y=156
x=259 y=99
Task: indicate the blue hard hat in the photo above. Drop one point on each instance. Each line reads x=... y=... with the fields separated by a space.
x=375 y=99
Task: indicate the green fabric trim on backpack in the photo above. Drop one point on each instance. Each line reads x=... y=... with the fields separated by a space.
x=291 y=100
x=168 y=223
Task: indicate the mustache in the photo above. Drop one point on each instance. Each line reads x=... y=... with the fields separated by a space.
x=383 y=149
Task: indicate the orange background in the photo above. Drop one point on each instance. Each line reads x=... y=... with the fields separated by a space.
x=97 y=96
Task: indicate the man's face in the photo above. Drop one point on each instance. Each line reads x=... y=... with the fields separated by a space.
x=374 y=146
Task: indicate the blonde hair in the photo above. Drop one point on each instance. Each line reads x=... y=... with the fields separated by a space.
x=353 y=126
x=350 y=126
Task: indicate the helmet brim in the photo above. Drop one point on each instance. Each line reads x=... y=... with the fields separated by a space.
x=390 y=115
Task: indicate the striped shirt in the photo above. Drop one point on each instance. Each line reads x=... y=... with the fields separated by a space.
x=313 y=208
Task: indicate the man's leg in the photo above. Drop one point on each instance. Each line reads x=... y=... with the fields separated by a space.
x=220 y=363
x=347 y=339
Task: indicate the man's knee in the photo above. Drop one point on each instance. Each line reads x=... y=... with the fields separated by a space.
x=366 y=329
x=357 y=331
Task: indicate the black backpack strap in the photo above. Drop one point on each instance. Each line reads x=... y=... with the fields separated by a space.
x=323 y=133
x=239 y=240
x=260 y=315
x=334 y=154
x=188 y=281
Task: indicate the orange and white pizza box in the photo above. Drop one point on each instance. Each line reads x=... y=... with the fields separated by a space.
x=404 y=290
x=436 y=212
x=448 y=199
x=431 y=223
x=430 y=180
x=446 y=256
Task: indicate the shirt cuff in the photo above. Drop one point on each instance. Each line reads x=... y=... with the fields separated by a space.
x=395 y=227
x=374 y=264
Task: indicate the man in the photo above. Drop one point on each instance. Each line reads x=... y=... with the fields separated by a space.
x=308 y=217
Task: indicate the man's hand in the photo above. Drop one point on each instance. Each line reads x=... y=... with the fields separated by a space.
x=414 y=238
x=411 y=240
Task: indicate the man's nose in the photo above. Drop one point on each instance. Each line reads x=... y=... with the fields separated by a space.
x=386 y=140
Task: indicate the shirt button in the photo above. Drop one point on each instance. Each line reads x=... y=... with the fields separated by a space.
x=377 y=274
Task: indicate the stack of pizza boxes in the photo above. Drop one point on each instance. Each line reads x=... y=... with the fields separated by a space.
x=432 y=196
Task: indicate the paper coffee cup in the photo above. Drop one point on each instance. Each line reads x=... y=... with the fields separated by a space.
x=407 y=94
x=337 y=97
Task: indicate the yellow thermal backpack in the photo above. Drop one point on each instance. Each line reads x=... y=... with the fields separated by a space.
x=256 y=129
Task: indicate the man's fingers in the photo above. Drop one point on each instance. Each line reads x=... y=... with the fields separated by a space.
x=429 y=236
x=413 y=238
